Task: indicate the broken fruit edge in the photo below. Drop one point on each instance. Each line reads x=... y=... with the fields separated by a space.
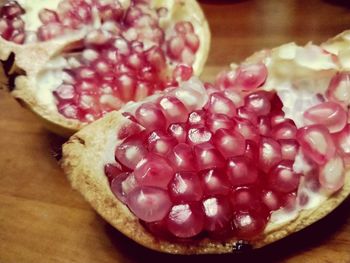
x=89 y=179
x=32 y=57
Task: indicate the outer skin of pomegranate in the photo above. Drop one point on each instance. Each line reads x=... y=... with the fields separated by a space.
x=32 y=58
x=76 y=159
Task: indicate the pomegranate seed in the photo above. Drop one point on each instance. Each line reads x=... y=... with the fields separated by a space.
x=251 y=150
x=244 y=113
x=235 y=96
x=178 y=131
x=192 y=94
x=175 y=47
x=264 y=125
x=207 y=157
x=197 y=118
x=332 y=174
x=65 y=92
x=245 y=199
x=215 y=182
x=185 y=220
x=112 y=170
x=271 y=200
x=329 y=114
x=173 y=109
x=218 y=213
x=258 y=102
x=229 y=142
x=182 y=158
x=282 y=178
x=148 y=203
x=249 y=224
x=342 y=140
x=276 y=104
x=339 y=88
x=150 y=117
x=219 y=121
x=241 y=171
x=182 y=72
x=247 y=129
x=184 y=27
x=284 y=131
x=48 y=16
x=317 y=143
x=198 y=135
x=122 y=185
x=131 y=151
x=219 y=103
x=160 y=143
x=269 y=154
x=226 y=80
x=185 y=187
x=251 y=76
x=276 y=118
x=153 y=170
x=289 y=149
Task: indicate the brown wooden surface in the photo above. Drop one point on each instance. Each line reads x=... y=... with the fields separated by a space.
x=43 y=220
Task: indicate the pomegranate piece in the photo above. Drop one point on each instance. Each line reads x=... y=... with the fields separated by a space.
x=150 y=116
x=178 y=131
x=271 y=200
x=247 y=129
x=173 y=109
x=251 y=150
x=153 y=170
x=245 y=199
x=282 y=178
x=332 y=174
x=283 y=131
x=182 y=158
x=289 y=149
x=130 y=152
x=219 y=103
x=317 y=143
x=215 y=182
x=269 y=153
x=241 y=171
x=229 y=142
x=342 y=141
x=264 y=125
x=219 y=121
x=122 y=185
x=185 y=220
x=276 y=118
x=160 y=143
x=197 y=118
x=329 y=114
x=112 y=170
x=258 y=102
x=185 y=187
x=208 y=157
x=218 y=213
x=244 y=113
x=339 y=88
x=150 y=204
x=250 y=76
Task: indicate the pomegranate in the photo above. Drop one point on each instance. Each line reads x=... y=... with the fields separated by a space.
x=243 y=159
x=94 y=56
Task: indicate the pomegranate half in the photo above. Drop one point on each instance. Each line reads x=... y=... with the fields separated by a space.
x=257 y=155
x=75 y=60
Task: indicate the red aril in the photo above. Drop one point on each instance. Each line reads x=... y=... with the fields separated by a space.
x=218 y=213
x=229 y=142
x=215 y=182
x=208 y=157
x=245 y=198
x=112 y=170
x=185 y=187
x=250 y=76
x=241 y=171
x=284 y=131
x=332 y=174
x=282 y=178
x=198 y=135
x=264 y=125
x=342 y=142
x=269 y=153
x=197 y=118
x=244 y=113
x=339 y=88
x=249 y=224
x=258 y=102
x=316 y=143
x=150 y=204
x=122 y=185
x=329 y=114
x=182 y=158
x=150 y=116
x=247 y=129
x=153 y=170
x=178 y=131
x=218 y=103
x=289 y=149
x=219 y=121
x=185 y=220
x=173 y=109
x=271 y=200
x=160 y=143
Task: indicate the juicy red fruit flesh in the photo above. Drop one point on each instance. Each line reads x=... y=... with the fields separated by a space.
x=225 y=171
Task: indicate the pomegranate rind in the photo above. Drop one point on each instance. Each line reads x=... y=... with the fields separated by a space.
x=90 y=180
x=30 y=61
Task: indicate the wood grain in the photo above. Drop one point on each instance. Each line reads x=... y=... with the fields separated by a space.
x=43 y=220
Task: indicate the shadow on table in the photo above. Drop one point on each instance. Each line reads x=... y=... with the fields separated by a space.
x=343 y=3
x=313 y=236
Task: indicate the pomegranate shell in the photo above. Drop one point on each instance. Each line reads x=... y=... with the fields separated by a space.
x=31 y=60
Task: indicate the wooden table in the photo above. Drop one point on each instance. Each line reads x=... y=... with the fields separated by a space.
x=43 y=220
